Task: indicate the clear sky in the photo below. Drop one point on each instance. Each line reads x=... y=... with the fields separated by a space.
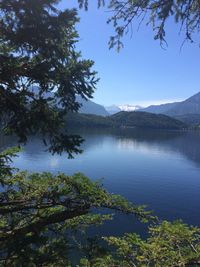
x=142 y=72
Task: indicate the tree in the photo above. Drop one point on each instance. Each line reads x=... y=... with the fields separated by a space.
x=40 y=75
x=38 y=210
x=41 y=72
x=169 y=244
x=155 y=12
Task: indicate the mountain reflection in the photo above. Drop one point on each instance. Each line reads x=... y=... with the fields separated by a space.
x=185 y=143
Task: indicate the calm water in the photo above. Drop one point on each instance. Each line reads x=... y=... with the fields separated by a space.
x=157 y=168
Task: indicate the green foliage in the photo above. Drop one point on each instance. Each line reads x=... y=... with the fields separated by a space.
x=147 y=120
x=125 y=119
x=5 y=160
x=37 y=210
x=169 y=244
x=41 y=73
x=41 y=216
x=89 y=121
x=129 y=14
x=40 y=70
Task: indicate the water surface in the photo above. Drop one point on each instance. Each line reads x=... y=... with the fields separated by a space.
x=157 y=168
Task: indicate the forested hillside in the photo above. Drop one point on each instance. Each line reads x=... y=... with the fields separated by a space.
x=125 y=119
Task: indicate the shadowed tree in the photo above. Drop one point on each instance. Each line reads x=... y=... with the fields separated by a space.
x=41 y=70
x=41 y=73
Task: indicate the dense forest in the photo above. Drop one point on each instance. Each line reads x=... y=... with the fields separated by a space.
x=126 y=120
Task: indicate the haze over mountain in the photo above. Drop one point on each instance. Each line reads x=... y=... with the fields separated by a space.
x=188 y=106
x=187 y=111
x=112 y=109
x=87 y=106
x=90 y=107
x=159 y=109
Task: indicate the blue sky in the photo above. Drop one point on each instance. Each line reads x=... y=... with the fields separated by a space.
x=142 y=72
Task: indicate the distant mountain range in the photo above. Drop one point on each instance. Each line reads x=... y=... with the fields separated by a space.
x=90 y=107
x=113 y=109
x=87 y=106
x=187 y=111
x=159 y=109
x=188 y=106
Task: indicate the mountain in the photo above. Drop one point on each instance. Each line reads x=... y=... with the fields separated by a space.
x=125 y=119
x=159 y=109
x=188 y=106
x=112 y=109
x=89 y=107
x=88 y=121
x=115 y=109
x=146 y=120
x=129 y=107
x=190 y=119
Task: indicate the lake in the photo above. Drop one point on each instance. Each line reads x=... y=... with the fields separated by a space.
x=157 y=168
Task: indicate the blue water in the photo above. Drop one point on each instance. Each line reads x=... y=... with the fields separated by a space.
x=157 y=168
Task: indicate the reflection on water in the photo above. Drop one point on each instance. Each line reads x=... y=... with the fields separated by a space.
x=158 y=168
x=186 y=144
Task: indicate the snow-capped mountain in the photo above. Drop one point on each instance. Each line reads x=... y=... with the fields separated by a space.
x=129 y=107
x=117 y=108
